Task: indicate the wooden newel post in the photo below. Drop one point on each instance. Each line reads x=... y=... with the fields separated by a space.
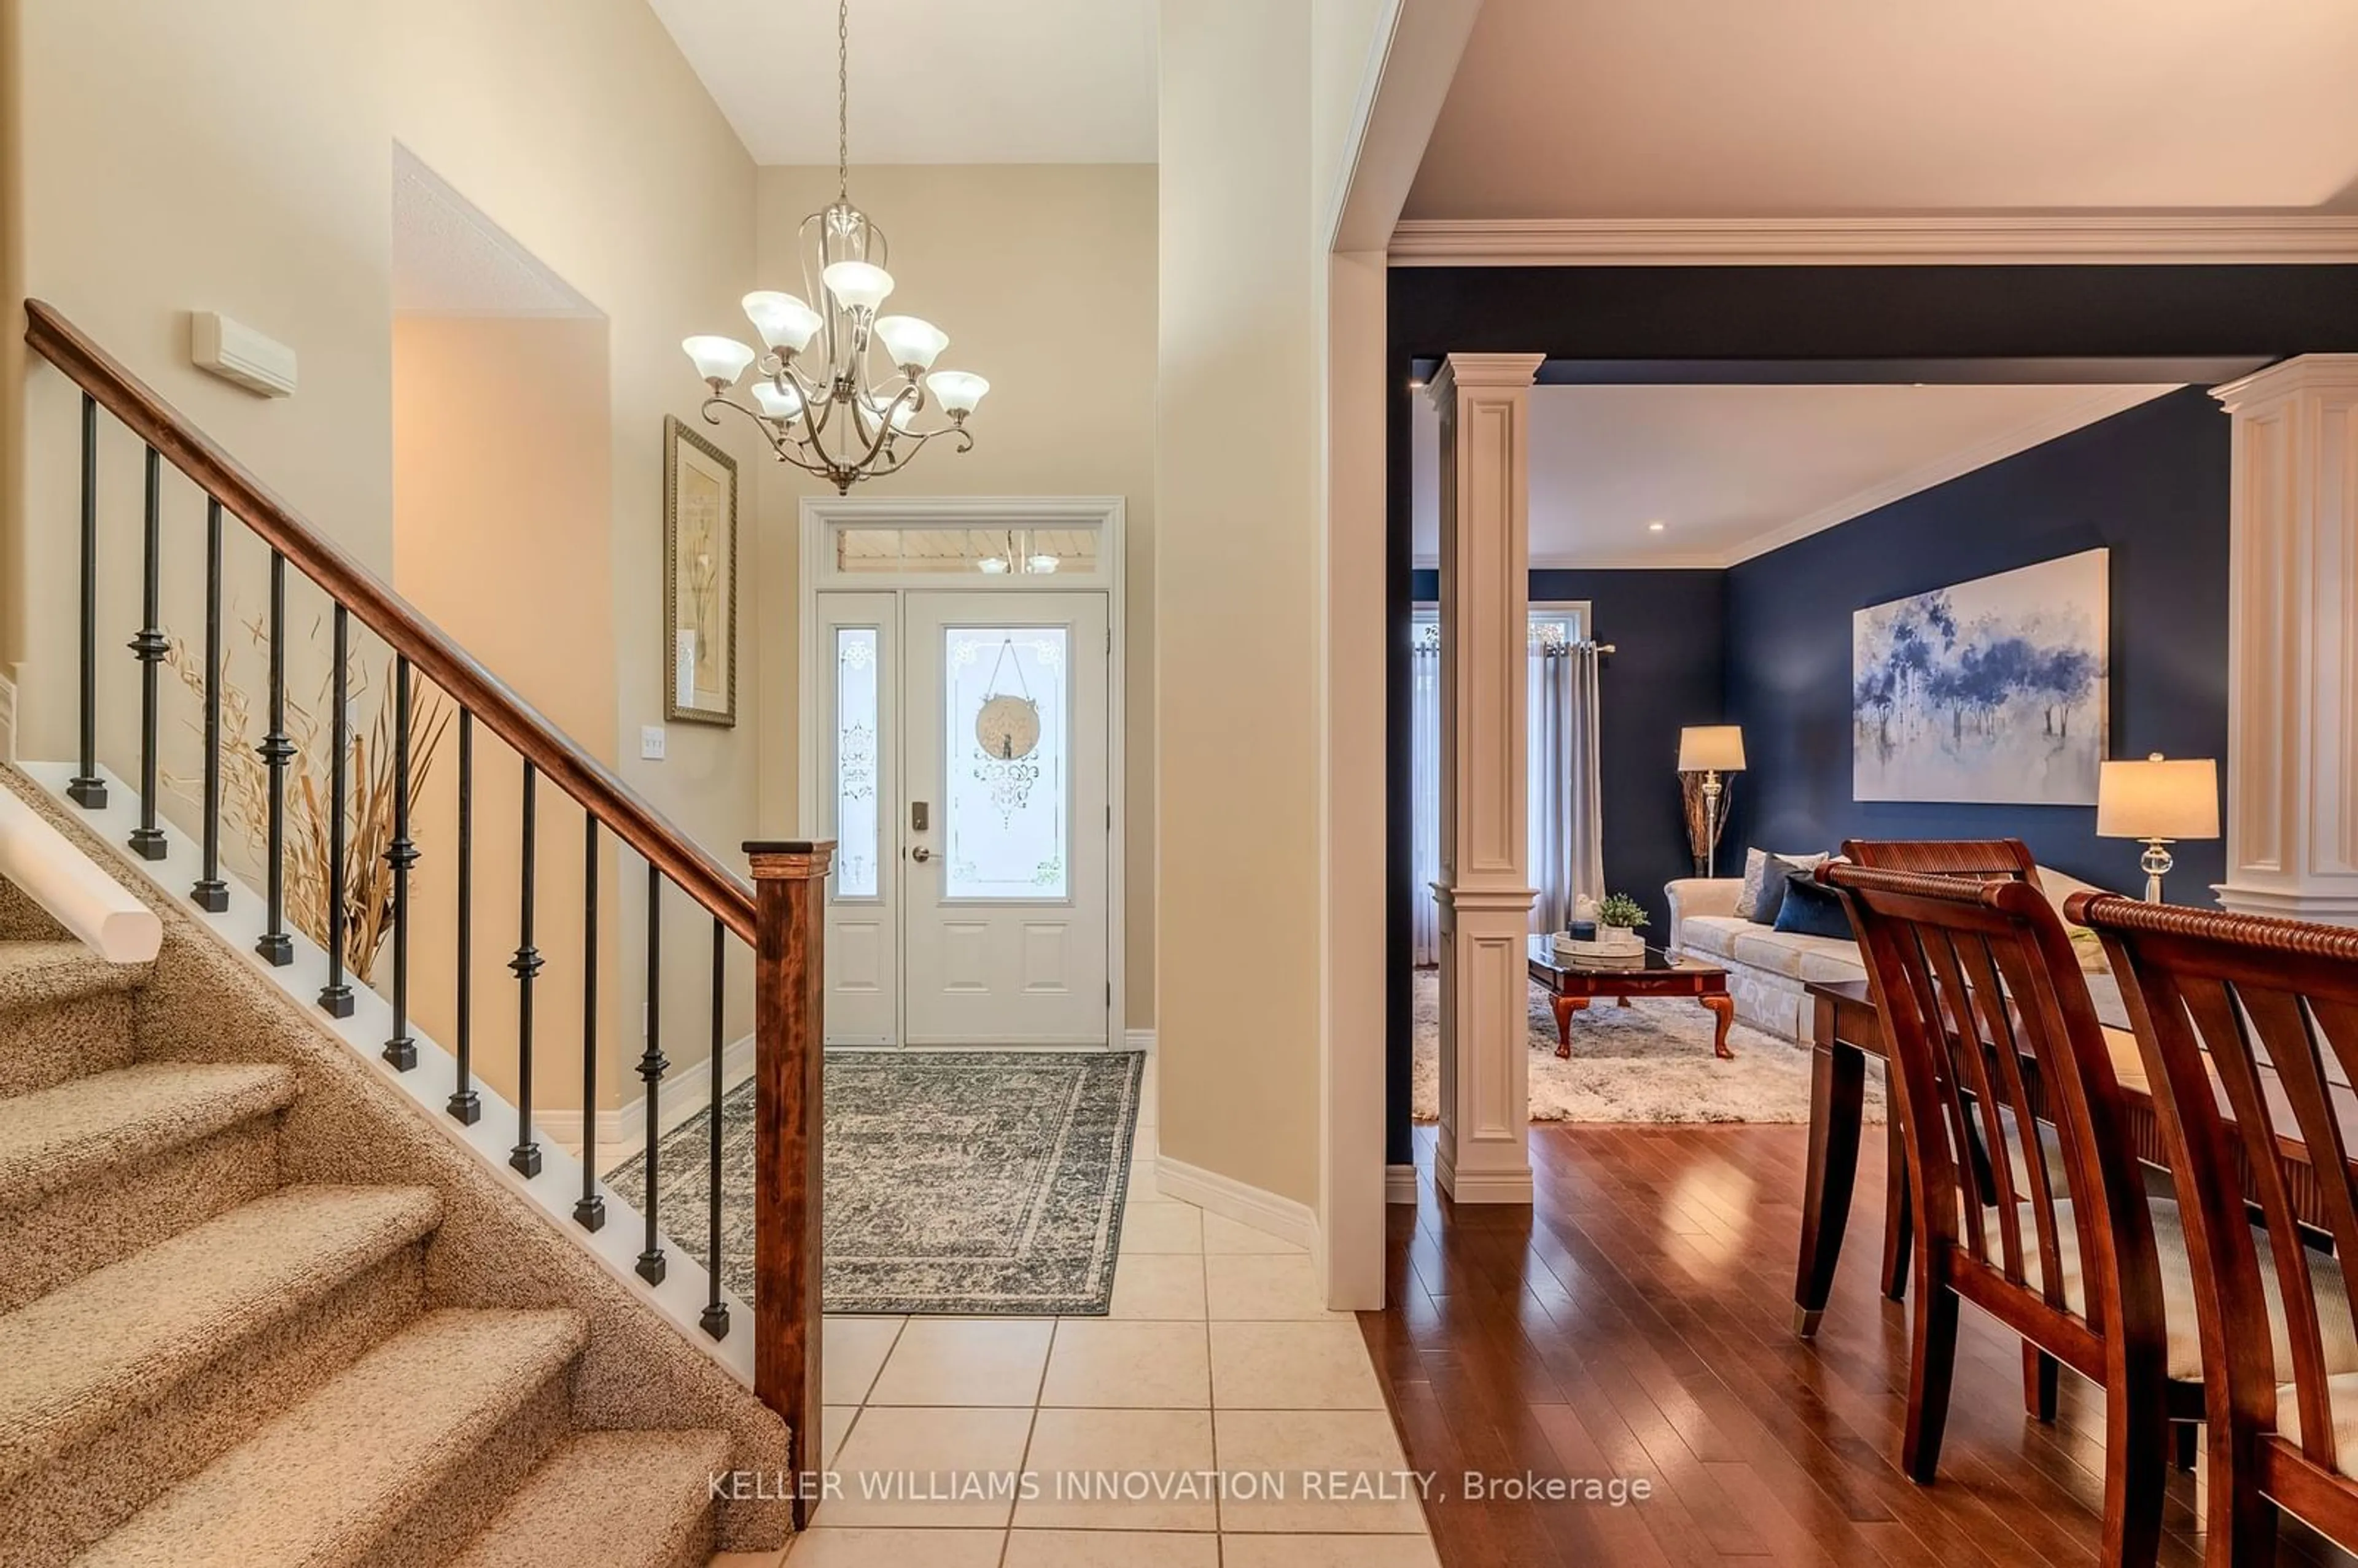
x=789 y=1037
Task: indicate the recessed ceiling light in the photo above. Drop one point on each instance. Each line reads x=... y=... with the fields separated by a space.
x=1656 y=528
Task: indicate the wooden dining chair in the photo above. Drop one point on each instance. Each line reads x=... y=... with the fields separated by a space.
x=1990 y=1031
x=2270 y=1006
x=1983 y=860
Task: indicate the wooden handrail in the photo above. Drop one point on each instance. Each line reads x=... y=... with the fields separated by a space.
x=409 y=634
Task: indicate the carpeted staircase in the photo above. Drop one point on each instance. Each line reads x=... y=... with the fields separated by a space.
x=207 y=1359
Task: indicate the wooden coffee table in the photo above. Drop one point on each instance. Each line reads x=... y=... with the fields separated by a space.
x=1574 y=984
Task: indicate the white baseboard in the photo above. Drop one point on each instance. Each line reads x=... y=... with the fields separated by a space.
x=621 y=1129
x=1139 y=1040
x=7 y=719
x=1215 y=1194
x=1400 y=1183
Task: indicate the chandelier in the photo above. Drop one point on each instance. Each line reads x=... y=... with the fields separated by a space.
x=818 y=397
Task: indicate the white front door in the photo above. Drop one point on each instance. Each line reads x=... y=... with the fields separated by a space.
x=970 y=905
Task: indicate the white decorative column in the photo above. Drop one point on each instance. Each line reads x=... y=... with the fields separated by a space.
x=1485 y=893
x=2292 y=619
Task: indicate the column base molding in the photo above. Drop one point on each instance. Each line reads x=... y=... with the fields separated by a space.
x=1480 y=1186
x=2289 y=903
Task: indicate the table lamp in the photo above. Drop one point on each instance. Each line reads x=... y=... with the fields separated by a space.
x=1711 y=750
x=2159 y=801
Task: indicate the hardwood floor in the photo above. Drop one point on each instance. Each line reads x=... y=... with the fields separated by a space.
x=1636 y=1321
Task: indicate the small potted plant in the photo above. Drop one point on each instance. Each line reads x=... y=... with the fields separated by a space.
x=1618 y=918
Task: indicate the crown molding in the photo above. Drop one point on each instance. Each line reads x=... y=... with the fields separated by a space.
x=1865 y=242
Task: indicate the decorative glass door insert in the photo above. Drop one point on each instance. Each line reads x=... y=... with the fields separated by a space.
x=1007 y=806
x=857 y=713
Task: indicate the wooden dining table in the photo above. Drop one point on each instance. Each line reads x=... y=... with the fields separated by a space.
x=1846 y=1030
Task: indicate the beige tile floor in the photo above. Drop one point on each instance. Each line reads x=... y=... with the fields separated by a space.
x=1218 y=1360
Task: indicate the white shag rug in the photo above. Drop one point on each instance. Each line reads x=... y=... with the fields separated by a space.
x=1650 y=1062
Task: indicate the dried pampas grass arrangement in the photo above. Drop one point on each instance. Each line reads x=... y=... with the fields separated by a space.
x=1698 y=815
x=368 y=812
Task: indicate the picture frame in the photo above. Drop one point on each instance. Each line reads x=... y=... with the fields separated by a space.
x=699 y=588
x=1995 y=690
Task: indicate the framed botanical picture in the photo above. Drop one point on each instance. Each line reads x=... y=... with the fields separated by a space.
x=699 y=579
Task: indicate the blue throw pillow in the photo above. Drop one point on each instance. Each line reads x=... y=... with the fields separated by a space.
x=1813 y=911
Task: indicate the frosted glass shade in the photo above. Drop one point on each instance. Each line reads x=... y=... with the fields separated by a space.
x=2158 y=799
x=911 y=342
x=902 y=414
x=958 y=391
x=784 y=321
x=858 y=286
x=1711 y=748
x=718 y=359
x=776 y=404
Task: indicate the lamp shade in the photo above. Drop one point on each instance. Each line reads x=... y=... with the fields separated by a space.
x=718 y=359
x=778 y=403
x=784 y=321
x=957 y=390
x=856 y=284
x=1711 y=748
x=911 y=342
x=2158 y=799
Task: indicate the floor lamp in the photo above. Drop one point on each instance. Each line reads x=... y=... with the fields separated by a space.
x=1712 y=749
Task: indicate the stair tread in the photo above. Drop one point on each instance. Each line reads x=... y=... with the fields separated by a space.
x=36 y=972
x=330 y=1477
x=617 y=1499
x=56 y=1138
x=118 y=1337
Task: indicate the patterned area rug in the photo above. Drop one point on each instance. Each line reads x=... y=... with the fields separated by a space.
x=1650 y=1061
x=973 y=1183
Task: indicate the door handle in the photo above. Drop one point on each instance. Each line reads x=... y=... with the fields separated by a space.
x=921 y=854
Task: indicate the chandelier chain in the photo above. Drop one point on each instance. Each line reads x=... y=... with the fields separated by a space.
x=843 y=100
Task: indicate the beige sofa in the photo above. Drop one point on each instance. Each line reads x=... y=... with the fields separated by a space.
x=1768 y=970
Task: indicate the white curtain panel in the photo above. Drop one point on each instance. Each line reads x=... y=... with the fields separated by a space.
x=1424 y=799
x=1585 y=837
x=1565 y=822
x=1565 y=815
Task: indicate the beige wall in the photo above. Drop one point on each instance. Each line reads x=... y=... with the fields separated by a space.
x=502 y=476
x=1044 y=278
x=1239 y=585
x=237 y=156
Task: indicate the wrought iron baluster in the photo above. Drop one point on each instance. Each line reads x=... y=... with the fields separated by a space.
x=651 y=1071
x=86 y=789
x=589 y=1208
x=211 y=893
x=464 y=1103
x=277 y=750
x=147 y=647
x=336 y=997
x=525 y=1155
x=715 y=1320
x=402 y=854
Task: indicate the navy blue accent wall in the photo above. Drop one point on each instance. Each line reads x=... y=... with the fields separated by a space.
x=1665 y=672
x=2149 y=484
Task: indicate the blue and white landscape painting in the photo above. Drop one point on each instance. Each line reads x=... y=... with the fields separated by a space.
x=1991 y=690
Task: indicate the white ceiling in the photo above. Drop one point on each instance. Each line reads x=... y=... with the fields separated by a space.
x=1705 y=109
x=932 y=80
x=1732 y=471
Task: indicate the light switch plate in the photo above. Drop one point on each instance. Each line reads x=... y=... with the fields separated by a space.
x=651 y=742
